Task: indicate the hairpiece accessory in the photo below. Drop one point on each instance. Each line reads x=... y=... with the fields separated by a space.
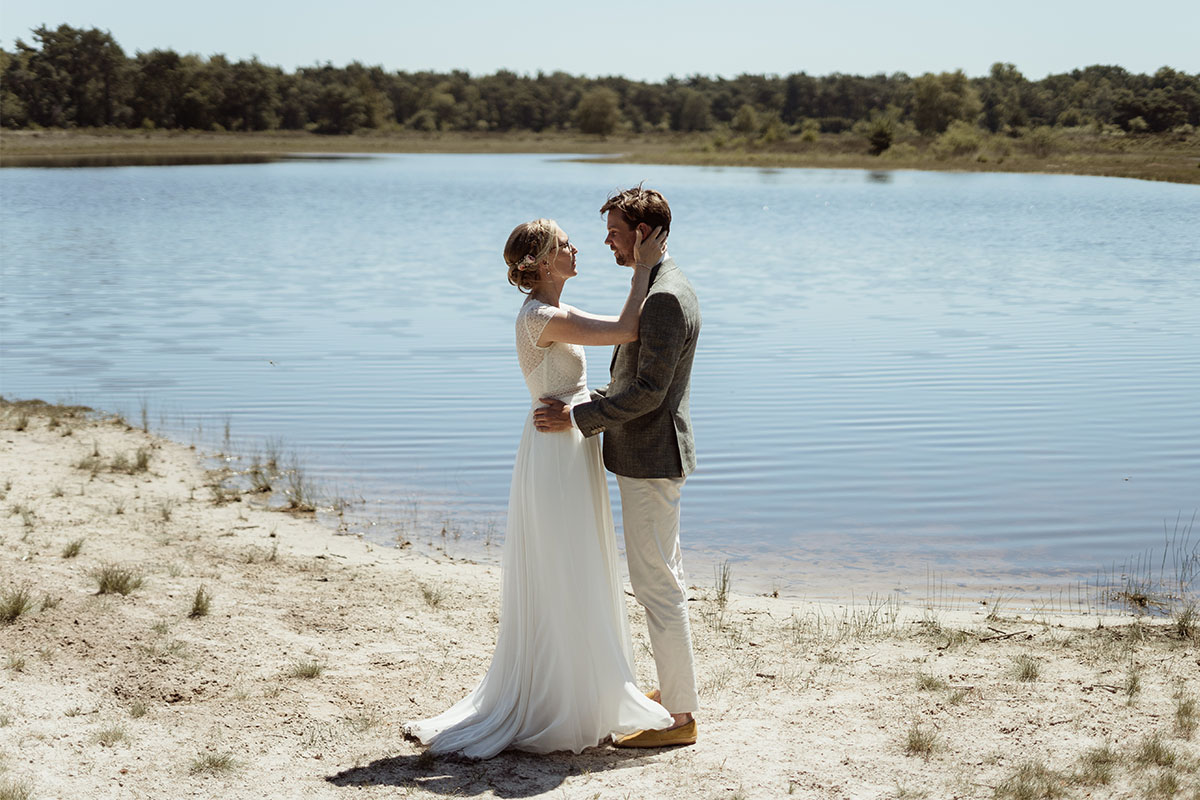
x=526 y=262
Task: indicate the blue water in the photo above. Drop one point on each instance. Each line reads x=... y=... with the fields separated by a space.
x=993 y=378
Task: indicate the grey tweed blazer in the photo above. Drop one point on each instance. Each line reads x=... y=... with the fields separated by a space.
x=643 y=411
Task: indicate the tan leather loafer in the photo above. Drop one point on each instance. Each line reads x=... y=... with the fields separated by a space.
x=654 y=695
x=671 y=737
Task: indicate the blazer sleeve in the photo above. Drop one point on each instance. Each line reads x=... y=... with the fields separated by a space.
x=662 y=336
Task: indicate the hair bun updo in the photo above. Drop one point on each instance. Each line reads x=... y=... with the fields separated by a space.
x=528 y=245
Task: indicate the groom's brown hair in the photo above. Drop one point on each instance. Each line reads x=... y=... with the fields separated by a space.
x=641 y=205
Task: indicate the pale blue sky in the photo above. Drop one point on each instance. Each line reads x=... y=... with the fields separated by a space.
x=623 y=37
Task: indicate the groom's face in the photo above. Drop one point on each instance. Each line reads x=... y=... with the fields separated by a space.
x=621 y=236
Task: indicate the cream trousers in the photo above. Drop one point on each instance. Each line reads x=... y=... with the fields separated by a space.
x=650 y=516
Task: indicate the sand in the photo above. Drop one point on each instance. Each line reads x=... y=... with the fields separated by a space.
x=316 y=648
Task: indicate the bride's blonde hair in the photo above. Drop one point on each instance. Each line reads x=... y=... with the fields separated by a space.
x=530 y=245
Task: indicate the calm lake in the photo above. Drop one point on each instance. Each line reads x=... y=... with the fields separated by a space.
x=986 y=380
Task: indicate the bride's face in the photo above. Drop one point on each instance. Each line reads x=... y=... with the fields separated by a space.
x=563 y=265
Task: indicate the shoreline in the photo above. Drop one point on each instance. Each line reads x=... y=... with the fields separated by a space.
x=294 y=677
x=1149 y=159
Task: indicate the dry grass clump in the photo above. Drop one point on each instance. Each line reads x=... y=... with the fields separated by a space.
x=433 y=595
x=138 y=709
x=920 y=740
x=1154 y=752
x=15 y=601
x=301 y=493
x=73 y=547
x=1096 y=765
x=724 y=574
x=110 y=736
x=305 y=669
x=1025 y=668
x=1186 y=716
x=1185 y=620
x=28 y=518
x=212 y=763
x=115 y=579
x=15 y=789
x=200 y=603
x=1032 y=781
x=929 y=683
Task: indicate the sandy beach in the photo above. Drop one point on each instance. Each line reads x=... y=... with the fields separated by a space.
x=255 y=654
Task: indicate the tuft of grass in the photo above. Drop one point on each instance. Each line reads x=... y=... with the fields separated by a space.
x=920 y=740
x=1185 y=620
x=260 y=480
x=212 y=763
x=28 y=518
x=1132 y=686
x=15 y=601
x=21 y=422
x=110 y=736
x=90 y=464
x=57 y=490
x=1186 y=716
x=1165 y=785
x=115 y=579
x=272 y=451
x=1153 y=751
x=165 y=509
x=120 y=463
x=141 y=460
x=1032 y=781
x=723 y=575
x=200 y=603
x=138 y=709
x=302 y=494
x=929 y=683
x=1096 y=765
x=1026 y=668
x=305 y=669
x=49 y=601
x=15 y=662
x=15 y=789
x=433 y=595
x=73 y=547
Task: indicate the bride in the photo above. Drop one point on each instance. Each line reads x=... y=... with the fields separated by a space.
x=561 y=676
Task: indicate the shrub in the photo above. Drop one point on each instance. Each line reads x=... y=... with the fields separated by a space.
x=961 y=139
x=1041 y=141
x=112 y=579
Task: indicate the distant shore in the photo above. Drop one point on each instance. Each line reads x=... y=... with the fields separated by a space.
x=163 y=635
x=1151 y=158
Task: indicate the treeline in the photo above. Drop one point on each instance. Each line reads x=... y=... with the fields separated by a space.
x=70 y=77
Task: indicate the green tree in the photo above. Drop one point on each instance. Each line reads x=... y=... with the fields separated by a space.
x=746 y=120
x=598 y=111
x=693 y=112
x=941 y=99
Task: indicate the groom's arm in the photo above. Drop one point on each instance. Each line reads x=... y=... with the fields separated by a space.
x=661 y=340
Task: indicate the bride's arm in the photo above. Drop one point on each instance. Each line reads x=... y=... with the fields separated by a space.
x=578 y=327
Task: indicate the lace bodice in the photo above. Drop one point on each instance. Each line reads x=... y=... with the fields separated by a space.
x=559 y=370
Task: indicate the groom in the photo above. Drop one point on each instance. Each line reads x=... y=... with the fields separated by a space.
x=643 y=413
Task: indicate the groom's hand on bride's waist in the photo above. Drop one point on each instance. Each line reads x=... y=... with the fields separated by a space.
x=553 y=417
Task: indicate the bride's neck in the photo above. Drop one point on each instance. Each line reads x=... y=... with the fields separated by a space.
x=547 y=292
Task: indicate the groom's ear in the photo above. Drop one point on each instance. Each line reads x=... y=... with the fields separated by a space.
x=645 y=229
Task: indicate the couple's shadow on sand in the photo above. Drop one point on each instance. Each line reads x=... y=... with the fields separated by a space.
x=510 y=774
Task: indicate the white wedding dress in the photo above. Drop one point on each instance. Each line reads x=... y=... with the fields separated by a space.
x=561 y=677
